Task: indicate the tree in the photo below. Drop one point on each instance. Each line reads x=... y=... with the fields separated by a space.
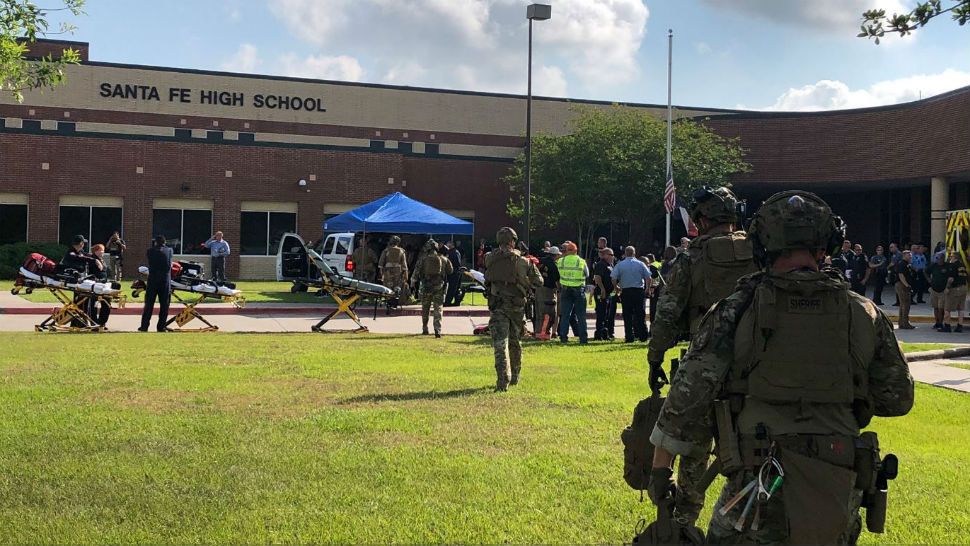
x=875 y=22
x=21 y=23
x=612 y=167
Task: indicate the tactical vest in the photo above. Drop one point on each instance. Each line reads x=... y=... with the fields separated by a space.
x=395 y=256
x=571 y=271
x=716 y=264
x=431 y=266
x=502 y=274
x=799 y=361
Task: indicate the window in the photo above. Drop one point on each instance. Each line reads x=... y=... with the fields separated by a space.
x=95 y=223
x=261 y=232
x=185 y=229
x=343 y=245
x=13 y=224
x=279 y=223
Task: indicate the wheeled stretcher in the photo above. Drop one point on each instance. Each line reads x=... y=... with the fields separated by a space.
x=190 y=289
x=75 y=292
x=346 y=293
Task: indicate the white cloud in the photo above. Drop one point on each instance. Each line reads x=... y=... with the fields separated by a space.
x=322 y=67
x=312 y=20
x=602 y=37
x=246 y=59
x=477 y=44
x=833 y=94
x=836 y=15
x=549 y=81
x=702 y=48
x=404 y=72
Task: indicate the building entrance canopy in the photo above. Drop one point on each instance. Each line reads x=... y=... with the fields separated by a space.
x=398 y=213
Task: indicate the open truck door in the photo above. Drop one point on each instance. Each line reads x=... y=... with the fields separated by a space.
x=293 y=263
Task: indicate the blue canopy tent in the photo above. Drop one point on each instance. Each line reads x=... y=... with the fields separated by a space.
x=398 y=213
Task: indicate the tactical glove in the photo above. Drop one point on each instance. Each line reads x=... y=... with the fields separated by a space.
x=661 y=485
x=658 y=378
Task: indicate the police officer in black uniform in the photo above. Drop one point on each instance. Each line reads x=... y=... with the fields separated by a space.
x=159 y=284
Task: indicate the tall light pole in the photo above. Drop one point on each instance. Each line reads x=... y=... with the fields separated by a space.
x=535 y=12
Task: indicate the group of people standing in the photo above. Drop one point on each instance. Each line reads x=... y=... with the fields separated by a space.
x=104 y=262
x=912 y=273
x=560 y=303
x=436 y=269
x=100 y=264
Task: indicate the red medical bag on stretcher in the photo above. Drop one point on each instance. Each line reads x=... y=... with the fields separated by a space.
x=39 y=264
x=176 y=271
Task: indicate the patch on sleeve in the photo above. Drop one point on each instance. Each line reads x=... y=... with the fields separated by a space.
x=805 y=304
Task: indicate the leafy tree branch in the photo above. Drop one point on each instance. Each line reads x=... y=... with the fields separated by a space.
x=876 y=24
x=21 y=24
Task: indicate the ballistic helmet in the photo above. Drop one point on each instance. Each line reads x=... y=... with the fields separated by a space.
x=719 y=205
x=431 y=245
x=795 y=220
x=506 y=235
x=394 y=240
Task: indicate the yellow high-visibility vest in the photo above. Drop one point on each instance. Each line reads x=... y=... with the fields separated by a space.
x=571 y=269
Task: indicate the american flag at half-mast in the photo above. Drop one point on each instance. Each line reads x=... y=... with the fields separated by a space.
x=670 y=193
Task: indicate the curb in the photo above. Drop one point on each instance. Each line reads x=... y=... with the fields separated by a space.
x=938 y=354
x=364 y=311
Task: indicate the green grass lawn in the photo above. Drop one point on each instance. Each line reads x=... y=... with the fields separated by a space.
x=916 y=347
x=261 y=438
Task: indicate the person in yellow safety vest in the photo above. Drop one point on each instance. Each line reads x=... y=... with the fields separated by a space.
x=572 y=281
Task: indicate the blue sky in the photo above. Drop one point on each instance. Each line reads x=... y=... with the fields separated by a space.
x=758 y=54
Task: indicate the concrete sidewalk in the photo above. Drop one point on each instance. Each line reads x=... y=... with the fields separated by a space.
x=940 y=373
x=402 y=324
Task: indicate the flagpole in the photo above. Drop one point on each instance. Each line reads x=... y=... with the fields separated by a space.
x=670 y=48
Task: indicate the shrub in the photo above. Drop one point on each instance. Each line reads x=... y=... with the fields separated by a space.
x=12 y=256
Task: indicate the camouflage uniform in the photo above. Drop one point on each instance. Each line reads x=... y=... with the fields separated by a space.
x=700 y=277
x=432 y=284
x=365 y=263
x=394 y=266
x=508 y=280
x=724 y=363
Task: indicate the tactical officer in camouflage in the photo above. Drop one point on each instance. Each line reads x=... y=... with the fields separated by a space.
x=365 y=261
x=509 y=279
x=432 y=269
x=788 y=369
x=700 y=277
x=394 y=265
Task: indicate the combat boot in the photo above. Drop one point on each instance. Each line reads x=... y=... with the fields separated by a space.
x=514 y=380
x=500 y=387
x=958 y=329
x=946 y=328
x=437 y=333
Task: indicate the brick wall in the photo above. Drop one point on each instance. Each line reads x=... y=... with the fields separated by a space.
x=95 y=166
x=54 y=48
x=913 y=141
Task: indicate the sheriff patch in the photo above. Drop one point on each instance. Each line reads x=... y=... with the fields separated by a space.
x=805 y=304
